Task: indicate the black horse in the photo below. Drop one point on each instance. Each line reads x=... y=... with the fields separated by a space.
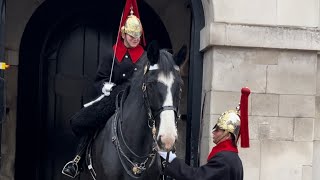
x=144 y=122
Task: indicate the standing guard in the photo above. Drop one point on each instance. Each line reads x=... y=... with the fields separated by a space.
x=223 y=161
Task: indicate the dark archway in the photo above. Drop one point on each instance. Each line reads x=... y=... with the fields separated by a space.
x=55 y=39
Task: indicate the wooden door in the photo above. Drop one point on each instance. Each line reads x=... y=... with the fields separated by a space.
x=72 y=62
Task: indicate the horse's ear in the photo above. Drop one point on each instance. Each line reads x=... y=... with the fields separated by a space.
x=180 y=57
x=153 y=52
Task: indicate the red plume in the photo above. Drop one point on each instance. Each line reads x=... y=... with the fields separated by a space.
x=244 y=125
x=126 y=13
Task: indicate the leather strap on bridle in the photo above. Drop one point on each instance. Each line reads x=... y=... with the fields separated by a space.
x=117 y=129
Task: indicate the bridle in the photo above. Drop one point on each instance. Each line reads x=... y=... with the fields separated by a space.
x=139 y=168
x=152 y=116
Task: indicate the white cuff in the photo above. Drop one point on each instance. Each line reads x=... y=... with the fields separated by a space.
x=163 y=154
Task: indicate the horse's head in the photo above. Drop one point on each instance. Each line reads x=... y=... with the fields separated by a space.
x=162 y=93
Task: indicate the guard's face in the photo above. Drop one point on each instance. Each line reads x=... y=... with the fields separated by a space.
x=130 y=41
x=217 y=135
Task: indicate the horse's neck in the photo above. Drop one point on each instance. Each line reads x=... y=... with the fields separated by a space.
x=135 y=124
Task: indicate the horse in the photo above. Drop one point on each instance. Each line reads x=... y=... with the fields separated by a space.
x=144 y=122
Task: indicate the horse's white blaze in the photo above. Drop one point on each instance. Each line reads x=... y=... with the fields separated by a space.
x=167 y=129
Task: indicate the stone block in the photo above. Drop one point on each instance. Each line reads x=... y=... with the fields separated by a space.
x=254 y=124
x=7 y=167
x=211 y=34
x=303 y=129
x=250 y=158
x=316 y=161
x=207 y=70
x=262 y=56
x=284 y=159
x=318 y=76
x=275 y=37
x=204 y=150
x=265 y=104
x=206 y=100
x=308 y=15
x=275 y=128
x=206 y=124
x=243 y=35
x=12 y=57
x=297 y=106
x=11 y=84
x=297 y=67
x=317 y=120
x=223 y=101
x=8 y=146
x=245 y=11
x=307 y=172
x=231 y=72
x=251 y=173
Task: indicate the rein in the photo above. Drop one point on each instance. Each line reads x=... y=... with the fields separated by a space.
x=137 y=169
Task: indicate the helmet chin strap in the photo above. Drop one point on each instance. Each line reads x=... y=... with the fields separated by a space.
x=225 y=133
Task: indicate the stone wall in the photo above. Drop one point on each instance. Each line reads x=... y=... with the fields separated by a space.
x=272 y=49
x=267 y=12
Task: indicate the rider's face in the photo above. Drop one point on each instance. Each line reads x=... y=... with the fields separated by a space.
x=130 y=41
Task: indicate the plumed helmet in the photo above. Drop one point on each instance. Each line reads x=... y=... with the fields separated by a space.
x=236 y=121
x=130 y=22
x=229 y=121
x=132 y=26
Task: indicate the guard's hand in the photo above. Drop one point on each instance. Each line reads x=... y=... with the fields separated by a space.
x=107 y=88
x=163 y=154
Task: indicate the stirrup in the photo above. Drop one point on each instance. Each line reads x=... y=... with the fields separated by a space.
x=73 y=163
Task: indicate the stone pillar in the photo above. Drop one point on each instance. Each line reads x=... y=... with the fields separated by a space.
x=279 y=65
x=8 y=142
x=316 y=148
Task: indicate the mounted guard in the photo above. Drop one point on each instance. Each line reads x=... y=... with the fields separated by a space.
x=112 y=77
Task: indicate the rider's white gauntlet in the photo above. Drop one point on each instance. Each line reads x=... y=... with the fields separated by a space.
x=107 y=88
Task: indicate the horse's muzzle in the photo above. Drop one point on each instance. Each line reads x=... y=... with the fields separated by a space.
x=166 y=143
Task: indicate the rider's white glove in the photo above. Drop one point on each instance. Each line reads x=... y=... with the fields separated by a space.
x=107 y=88
x=172 y=155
